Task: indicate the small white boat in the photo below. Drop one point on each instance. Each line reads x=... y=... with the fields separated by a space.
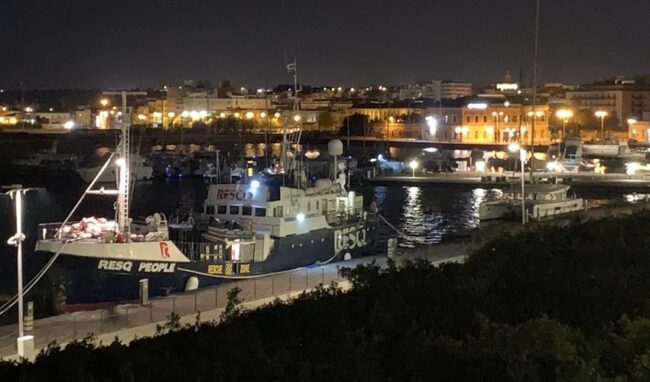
x=611 y=150
x=541 y=201
x=140 y=170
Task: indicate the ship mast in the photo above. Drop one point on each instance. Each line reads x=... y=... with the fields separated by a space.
x=124 y=163
x=293 y=129
x=532 y=130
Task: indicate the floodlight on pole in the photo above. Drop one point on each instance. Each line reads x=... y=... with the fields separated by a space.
x=601 y=114
x=564 y=115
x=25 y=343
x=413 y=165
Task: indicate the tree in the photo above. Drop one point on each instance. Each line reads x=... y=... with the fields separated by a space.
x=358 y=125
x=325 y=121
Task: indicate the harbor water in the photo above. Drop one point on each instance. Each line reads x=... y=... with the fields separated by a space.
x=427 y=214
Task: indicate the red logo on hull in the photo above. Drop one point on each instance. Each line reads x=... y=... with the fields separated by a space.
x=164 y=250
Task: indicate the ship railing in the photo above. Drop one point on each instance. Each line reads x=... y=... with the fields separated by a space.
x=49 y=231
x=344 y=217
x=229 y=233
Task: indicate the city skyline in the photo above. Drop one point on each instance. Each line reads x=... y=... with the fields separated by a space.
x=146 y=44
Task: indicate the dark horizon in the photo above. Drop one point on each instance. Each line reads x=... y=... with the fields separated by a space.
x=124 y=44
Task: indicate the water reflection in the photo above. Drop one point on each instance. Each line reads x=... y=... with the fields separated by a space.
x=427 y=214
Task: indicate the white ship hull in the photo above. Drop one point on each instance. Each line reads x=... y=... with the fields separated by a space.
x=535 y=210
x=89 y=173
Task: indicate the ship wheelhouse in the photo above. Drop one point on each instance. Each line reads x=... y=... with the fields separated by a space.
x=247 y=220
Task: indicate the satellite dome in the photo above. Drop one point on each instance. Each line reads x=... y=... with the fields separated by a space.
x=335 y=147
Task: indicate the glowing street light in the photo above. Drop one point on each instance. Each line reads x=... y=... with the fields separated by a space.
x=262 y=115
x=250 y=115
x=171 y=114
x=514 y=147
x=432 y=122
x=103 y=102
x=69 y=125
x=601 y=114
x=296 y=118
x=276 y=115
x=413 y=165
x=631 y=121
x=564 y=115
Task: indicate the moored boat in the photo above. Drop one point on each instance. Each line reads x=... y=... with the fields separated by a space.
x=541 y=201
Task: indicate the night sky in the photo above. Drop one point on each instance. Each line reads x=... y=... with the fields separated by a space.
x=129 y=43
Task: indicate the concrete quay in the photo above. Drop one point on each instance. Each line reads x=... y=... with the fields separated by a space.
x=129 y=321
x=503 y=180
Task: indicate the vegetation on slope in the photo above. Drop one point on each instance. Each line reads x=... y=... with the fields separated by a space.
x=557 y=304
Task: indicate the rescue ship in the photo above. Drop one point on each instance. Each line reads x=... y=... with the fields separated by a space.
x=272 y=222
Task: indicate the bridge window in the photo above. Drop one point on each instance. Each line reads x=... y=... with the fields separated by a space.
x=221 y=210
x=209 y=210
x=260 y=211
x=234 y=210
x=247 y=210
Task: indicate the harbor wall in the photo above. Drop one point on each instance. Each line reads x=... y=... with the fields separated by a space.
x=481 y=236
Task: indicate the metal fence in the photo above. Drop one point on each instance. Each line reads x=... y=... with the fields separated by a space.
x=68 y=327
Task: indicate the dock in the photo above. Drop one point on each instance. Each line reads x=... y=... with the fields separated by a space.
x=502 y=180
x=128 y=321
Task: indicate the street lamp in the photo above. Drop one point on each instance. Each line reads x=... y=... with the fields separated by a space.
x=25 y=343
x=601 y=114
x=564 y=115
x=513 y=148
x=103 y=102
x=413 y=165
x=631 y=121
